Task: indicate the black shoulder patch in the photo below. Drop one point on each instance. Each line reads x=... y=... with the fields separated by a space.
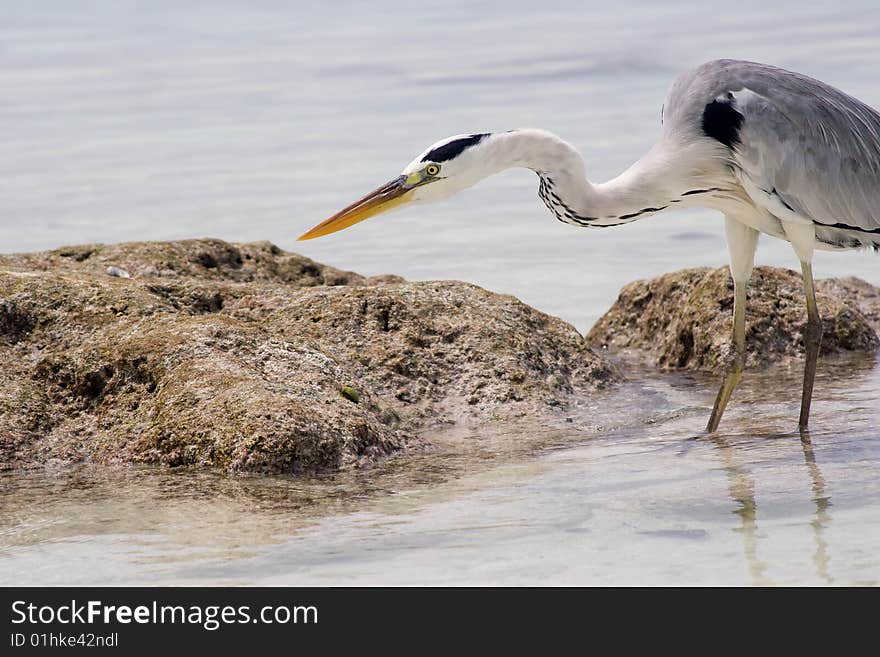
x=454 y=148
x=722 y=122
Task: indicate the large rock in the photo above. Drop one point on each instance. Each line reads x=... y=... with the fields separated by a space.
x=683 y=320
x=249 y=358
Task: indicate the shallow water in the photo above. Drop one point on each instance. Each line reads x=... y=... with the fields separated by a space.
x=133 y=121
x=648 y=501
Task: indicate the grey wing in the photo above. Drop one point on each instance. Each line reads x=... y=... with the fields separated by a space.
x=807 y=151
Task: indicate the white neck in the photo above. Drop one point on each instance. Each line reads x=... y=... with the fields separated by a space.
x=653 y=183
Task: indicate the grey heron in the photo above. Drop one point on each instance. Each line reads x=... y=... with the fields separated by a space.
x=774 y=151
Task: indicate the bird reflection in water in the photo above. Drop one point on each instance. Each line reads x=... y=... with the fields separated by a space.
x=741 y=488
x=821 y=517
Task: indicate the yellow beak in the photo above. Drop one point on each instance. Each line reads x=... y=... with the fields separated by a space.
x=388 y=196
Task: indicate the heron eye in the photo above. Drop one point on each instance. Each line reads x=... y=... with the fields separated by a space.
x=432 y=169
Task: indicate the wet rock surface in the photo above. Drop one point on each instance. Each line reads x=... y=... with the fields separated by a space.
x=248 y=358
x=684 y=319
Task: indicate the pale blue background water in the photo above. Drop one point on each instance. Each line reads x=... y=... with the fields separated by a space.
x=255 y=120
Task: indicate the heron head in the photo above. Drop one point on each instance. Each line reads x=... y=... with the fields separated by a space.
x=447 y=167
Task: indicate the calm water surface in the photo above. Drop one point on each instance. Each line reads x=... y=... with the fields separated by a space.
x=649 y=501
x=246 y=121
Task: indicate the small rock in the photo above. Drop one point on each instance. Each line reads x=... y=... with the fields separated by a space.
x=118 y=272
x=683 y=320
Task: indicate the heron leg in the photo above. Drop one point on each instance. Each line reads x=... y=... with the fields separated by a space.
x=735 y=367
x=812 y=342
x=742 y=241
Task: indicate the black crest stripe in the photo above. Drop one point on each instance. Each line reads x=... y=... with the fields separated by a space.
x=453 y=149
